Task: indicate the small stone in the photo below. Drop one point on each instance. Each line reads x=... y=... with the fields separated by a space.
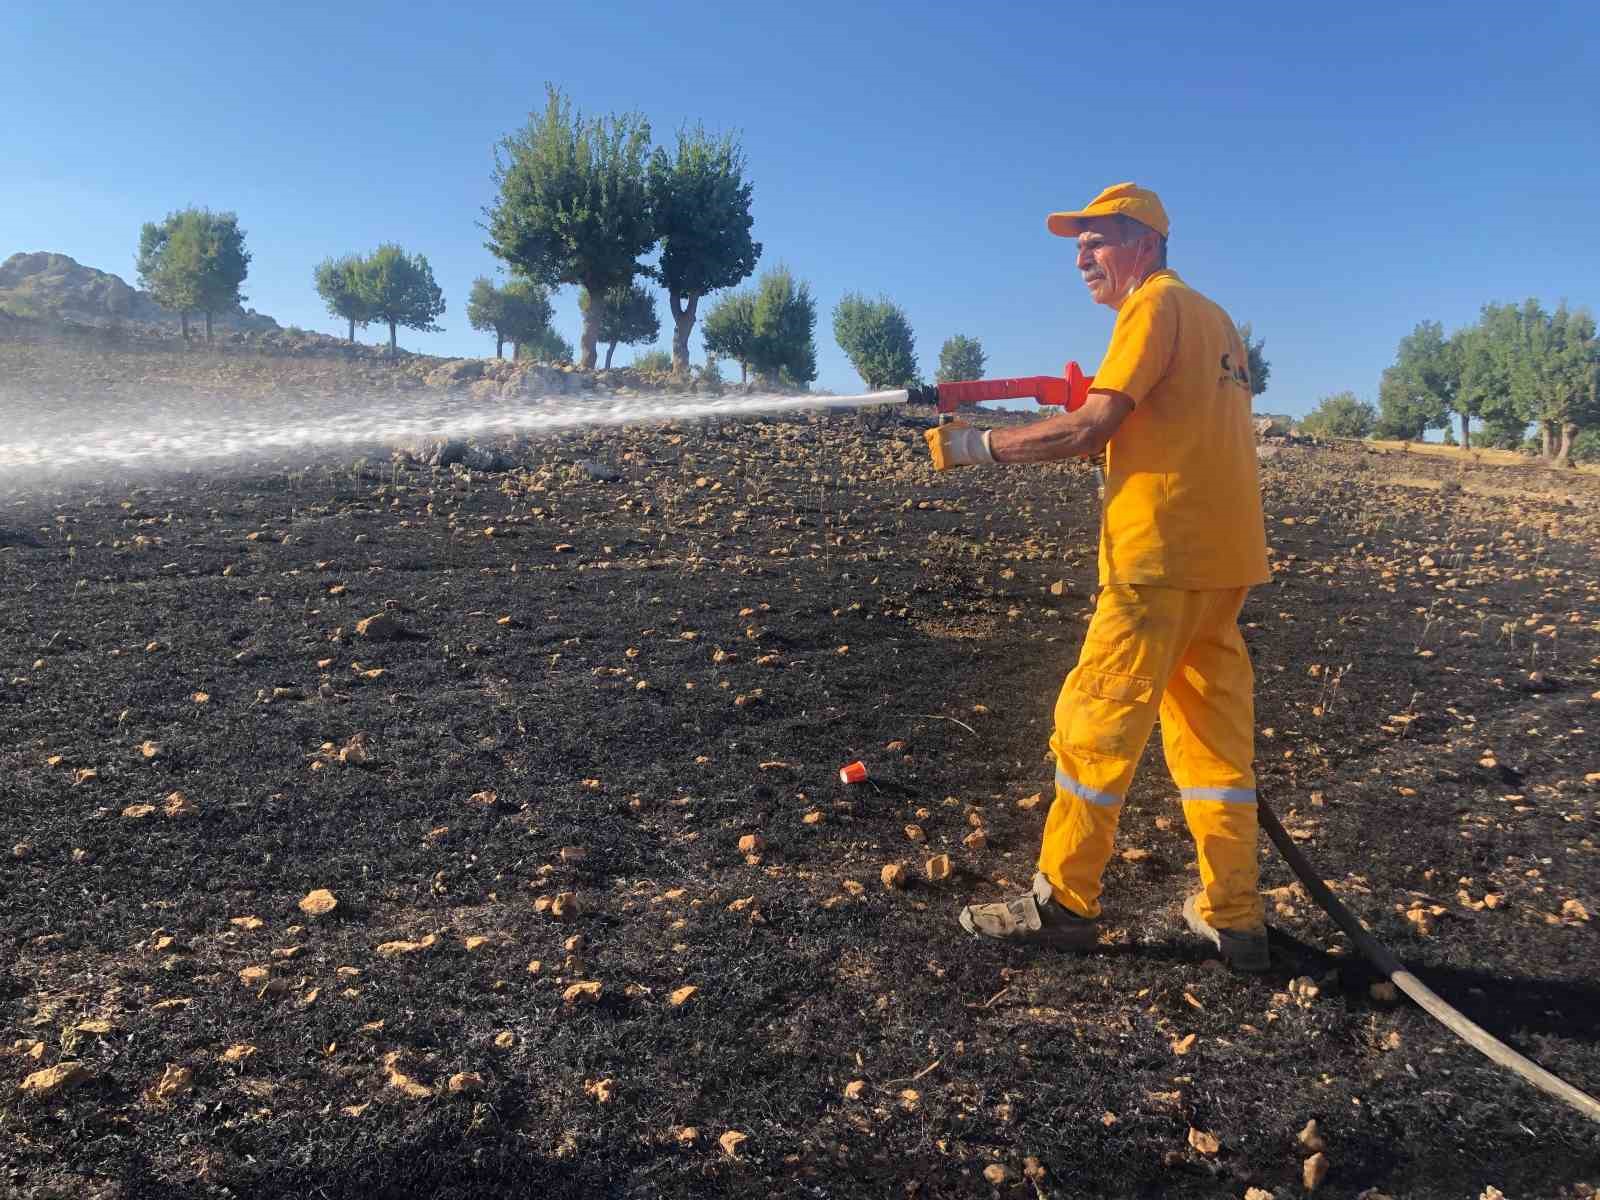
x=380 y=627
x=1311 y=1138
x=976 y=840
x=1184 y=1044
x=915 y=833
x=687 y=1136
x=237 y=1053
x=855 y=1089
x=52 y=1081
x=465 y=1083
x=402 y=946
x=178 y=805
x=682 y=996
x=136 y=812
x=752 y=843
x=998 y=1173
x=1029 y=802
x=938 y=867
x=174 y=1081
x=318 y=902
x=586 y=992
x=1314 y=1171
x=565 y=906
x=731 y=1141
x=573 y=854
x=604 y=1091
x=1203 y=1142
x=254 y=978
x=894 y=875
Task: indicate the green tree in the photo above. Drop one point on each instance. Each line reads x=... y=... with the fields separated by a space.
x=399 y=290
x=783 y=347
x=960 y=358
x=653 y=362
x=730 y=330
x=338 y=283
x=1419 y=391
x=194 y=260
x=574 y=205
x=876 y=337
x=627 y=317
x=514 y=313
x=1554 y=376
x=1258 y=365
x=1340 y=415
x=701 y=204
x=545 y=346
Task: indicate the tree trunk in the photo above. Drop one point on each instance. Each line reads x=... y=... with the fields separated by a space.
x=1546 y=439
x=499 y=345
x=1466 y=435
x=393 y=349
x=611 y=349
x=516 y=351
x=590 y=340
x=208 y=326
x=744 y=371
x=183 y=322
x=1564 y=450
x=682 y=324
x=352 y=331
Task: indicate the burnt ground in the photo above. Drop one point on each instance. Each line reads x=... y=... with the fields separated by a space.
x=640 y=673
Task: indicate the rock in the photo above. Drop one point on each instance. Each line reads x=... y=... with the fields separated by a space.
x=976 y=840
x=855 y=1089
x=456 y=371
x=586 y=992
x=731 y=1141
x=174 y=1081
x=237 y=1053
x=938 y=867
x=752 y=843
x=135 y=812
x=318 y=902
x=1203 y=1143
x=1311 y=1138
x=682 y=996
x=598 y=471
x=1314 y=1172
x=565 y=906
x=179 y=805
x=998 y=1173
x=379 y=627
x=52 y=1081
x=894 y=875
x=401 y=946
x=465 y=1083
x=1256 y=1193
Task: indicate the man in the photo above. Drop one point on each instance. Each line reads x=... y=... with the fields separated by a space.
x=1182 y=540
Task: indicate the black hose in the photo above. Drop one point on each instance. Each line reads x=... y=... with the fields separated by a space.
x=1378 y=954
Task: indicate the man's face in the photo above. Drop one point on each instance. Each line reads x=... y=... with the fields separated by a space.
x=1110 y=258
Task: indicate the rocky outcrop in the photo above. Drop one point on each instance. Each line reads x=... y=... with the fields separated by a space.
x=47 y=286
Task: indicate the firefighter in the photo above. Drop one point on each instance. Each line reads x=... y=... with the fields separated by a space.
x=1182 y=540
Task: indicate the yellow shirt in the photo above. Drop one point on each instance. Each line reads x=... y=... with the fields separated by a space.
x=1182 y=498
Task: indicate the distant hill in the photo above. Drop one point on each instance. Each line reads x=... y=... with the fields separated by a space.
x=48 y=286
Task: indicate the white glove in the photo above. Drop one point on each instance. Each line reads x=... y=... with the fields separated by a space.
x=957 y=444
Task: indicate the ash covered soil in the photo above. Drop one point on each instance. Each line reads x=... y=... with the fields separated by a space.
x=555 y=967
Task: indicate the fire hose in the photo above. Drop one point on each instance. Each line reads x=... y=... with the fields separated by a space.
x=1070 y=391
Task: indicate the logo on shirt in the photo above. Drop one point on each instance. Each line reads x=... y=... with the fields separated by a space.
x=1234 y=373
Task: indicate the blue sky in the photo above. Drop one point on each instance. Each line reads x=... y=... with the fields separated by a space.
x=1334 y=173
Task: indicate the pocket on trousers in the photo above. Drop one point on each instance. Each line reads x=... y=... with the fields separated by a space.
x=1108 y=685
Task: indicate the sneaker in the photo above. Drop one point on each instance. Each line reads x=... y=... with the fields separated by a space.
x=1034 y=919
x=1241 y=951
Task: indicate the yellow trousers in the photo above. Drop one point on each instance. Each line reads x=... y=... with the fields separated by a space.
x=1178 y=653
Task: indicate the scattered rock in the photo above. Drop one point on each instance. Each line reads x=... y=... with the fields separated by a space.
x=682 y=996
x=752 y=843
x=379 y=627
x=586 y=992
x=998 y=1174
x=1311 y=1138
x=855 y=1089
x=179 y=805
x=1314 y=1171
x=401 y=946
x=732 y=1141
x=52 y=1081
x=174 y=1081
x=894 y=875
x=318 y=902
x=938 y=867
x=1203 y=1143
x=465 y=1083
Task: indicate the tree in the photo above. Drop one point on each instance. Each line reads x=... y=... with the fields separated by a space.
x=782 y=347
x=1486 y=355
x=1258 y=365
x=627 y=316
x=960 y=358
x=574 y=206
x=545 y=346
x=701 y=204
x=876 y=338
x=730 y=330
x=194 y=260
x=1340 y=415
x=1419 y=391
x=515 y=313
x=399 y=290
x=338 y=283
x=1556 y=376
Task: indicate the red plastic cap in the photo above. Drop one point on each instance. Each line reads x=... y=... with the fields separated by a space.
x=854 y=773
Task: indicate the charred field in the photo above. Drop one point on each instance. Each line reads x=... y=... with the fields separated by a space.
x=540 y=770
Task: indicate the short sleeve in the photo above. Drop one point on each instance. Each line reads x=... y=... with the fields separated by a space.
x=1142 y=346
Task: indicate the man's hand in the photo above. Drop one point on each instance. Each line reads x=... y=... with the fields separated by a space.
x=957 y=444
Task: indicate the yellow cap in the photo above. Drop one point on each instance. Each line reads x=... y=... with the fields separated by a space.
x=1124 y=199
